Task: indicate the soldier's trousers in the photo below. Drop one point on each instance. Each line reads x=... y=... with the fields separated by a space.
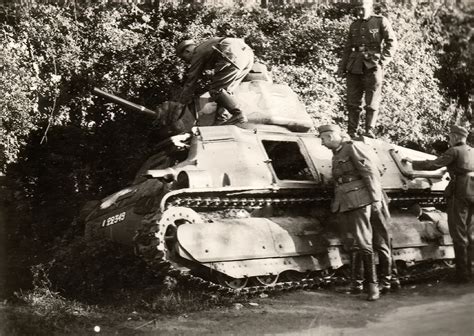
x=228 y=73
x=368 y=87
x=460 y=222
x=369 y=228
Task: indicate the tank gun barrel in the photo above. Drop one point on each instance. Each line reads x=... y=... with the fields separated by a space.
x=125 y=103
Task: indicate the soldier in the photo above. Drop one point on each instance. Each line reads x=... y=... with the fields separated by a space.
x=459 y=159
x=359 y=198
x=370 y=45
x=229 y=58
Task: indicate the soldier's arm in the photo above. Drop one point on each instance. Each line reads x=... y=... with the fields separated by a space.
x=368 y=170
x=192 y=76
x=345 y=53
x=441 y=161
x=390 y=42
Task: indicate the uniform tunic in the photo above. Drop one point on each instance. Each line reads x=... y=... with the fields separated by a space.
x=369 y=47
x=358 y=196
x=459 y=194
x=226 y=76
x=370 y=43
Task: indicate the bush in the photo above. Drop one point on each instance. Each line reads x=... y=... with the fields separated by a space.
x=454 y=49
x=93 y=271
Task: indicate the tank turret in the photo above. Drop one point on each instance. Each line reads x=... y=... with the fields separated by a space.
x=264 y=103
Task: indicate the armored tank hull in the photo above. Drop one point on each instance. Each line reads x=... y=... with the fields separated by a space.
x=247 y=209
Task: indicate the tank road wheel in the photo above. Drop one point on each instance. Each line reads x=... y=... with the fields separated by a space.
x=294 y=275
x=448 y=263
x=227 y=281
x=344 y=272
x=327 y=273
x=265 y=280
x=402 y=268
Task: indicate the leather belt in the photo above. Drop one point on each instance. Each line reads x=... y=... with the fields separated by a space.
x=347 y=179
x=365 y=48
x=359 y=48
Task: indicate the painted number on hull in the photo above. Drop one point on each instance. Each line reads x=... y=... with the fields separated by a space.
x=114 y=219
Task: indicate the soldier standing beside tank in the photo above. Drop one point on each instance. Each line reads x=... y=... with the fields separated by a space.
x=459 y=159
x=370 y=45
x=230 y=59
x=359 y=198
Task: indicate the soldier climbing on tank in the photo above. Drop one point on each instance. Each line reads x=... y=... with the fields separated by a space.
x=230 y=59
x=359 y=199
x=459 y=159
x=369 y=47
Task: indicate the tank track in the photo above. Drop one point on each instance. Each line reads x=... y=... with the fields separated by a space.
x=197 y=283
x=256 y=202
x=239 y=202
x=156 y=256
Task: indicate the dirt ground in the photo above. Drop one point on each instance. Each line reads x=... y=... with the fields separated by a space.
x=437 y=308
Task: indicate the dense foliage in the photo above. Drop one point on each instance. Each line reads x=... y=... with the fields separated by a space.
x=456 y=53
x=62 y=146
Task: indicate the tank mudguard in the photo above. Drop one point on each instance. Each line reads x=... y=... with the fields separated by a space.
x=251 y=238
x=409 y=230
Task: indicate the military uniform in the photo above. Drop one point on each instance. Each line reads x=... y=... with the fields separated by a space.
x=231 y=62
x=369 y=47
x=459 y=194
x=359 y=197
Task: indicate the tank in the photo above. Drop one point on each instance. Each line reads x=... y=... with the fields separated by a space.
x=246 y=207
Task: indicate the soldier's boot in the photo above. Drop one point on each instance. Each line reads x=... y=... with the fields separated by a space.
x=370 y=119
x=385 y=274
x=469 y=262
x=226 y=100
x=371 y=277
x=463 y=270
x=395 y=281
x=357 y=275
x=353 y=120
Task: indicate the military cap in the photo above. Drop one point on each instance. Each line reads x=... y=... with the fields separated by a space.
x=329 y=128
x=182 y=45
x=459 y=130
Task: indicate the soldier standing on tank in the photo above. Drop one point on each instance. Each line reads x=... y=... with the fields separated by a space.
x=369 y=47
x=230 y=59
x=459 y=159
x=359 y=198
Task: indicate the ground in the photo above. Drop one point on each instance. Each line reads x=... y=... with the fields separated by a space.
x=428 y=309
x=432 y=308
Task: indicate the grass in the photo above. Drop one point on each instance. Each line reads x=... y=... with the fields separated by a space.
x=62 y=307
x=42 y=312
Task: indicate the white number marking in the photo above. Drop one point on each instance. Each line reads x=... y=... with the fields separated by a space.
x=114 y=219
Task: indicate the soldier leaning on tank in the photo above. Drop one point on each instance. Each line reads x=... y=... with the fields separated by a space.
x=359 y=199
x=459 y=194
x=230 y=59
x=370 y=45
